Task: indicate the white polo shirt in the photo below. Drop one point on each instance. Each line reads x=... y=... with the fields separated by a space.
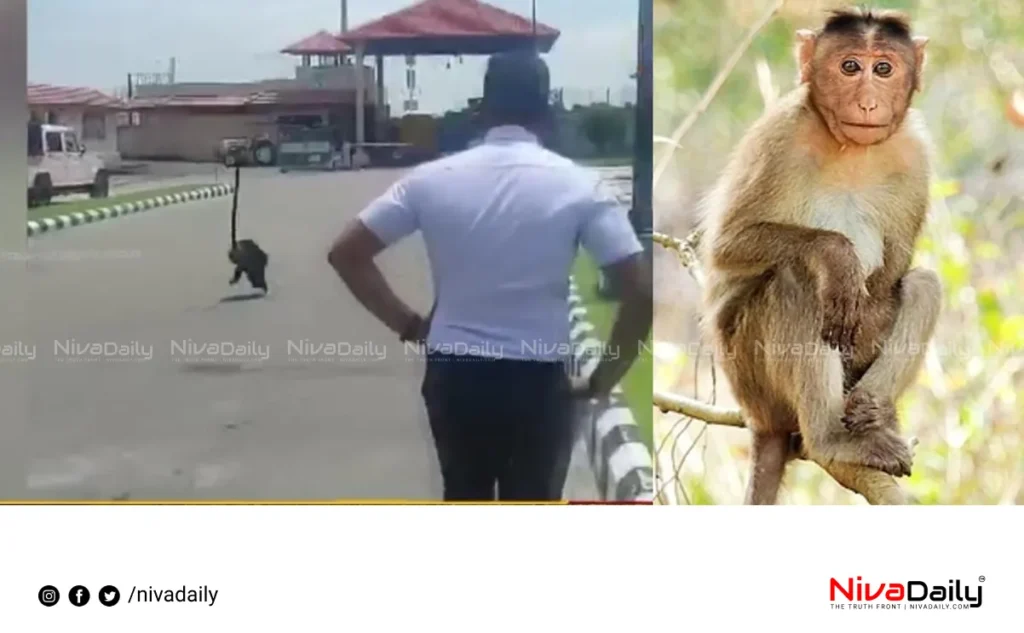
x=502 y=223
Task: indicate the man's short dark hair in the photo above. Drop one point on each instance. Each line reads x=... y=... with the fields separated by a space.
x=517 y=88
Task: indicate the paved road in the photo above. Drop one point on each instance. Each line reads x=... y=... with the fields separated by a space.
x=165 y=415
x=158 y=173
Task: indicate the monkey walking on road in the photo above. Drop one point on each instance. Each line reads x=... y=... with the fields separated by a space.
x=246 y=255
x=817 y=319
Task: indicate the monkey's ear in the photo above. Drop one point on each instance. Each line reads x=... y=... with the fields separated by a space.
x=806 y=42
x=920 y=41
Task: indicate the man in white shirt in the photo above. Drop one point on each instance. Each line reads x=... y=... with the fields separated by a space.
x=502 y=223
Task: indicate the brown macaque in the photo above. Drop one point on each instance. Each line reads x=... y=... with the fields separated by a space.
x=817 y=319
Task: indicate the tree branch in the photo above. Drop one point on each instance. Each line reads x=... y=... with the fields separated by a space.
x=685 y=250
x=674 y=403
x=875 y=486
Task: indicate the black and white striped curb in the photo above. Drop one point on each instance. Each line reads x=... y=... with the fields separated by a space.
x=77 y=218
x=621 y=462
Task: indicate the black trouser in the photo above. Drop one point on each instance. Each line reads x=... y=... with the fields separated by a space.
x=499 y=422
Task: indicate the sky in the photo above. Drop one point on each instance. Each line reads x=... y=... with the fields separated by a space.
x=96 y=43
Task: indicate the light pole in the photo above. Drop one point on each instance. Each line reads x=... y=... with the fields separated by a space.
x=643 y=168
x=533 y=24
x=642 y=214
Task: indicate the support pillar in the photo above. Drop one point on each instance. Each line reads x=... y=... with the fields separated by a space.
x=380 y=103
x=360 y=158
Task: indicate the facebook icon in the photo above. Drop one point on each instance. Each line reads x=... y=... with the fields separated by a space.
x=79 y=596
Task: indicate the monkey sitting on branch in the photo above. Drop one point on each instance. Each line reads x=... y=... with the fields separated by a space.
x=817 y=319
x=246 y=255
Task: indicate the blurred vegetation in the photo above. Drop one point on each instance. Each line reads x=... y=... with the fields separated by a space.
x=967 y=409
x=605 y=127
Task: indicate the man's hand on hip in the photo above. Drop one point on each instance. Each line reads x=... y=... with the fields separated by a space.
x=352 y=257
x=631 y=327
x=416 y=331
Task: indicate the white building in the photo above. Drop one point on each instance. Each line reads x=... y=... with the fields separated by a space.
x=95 y=116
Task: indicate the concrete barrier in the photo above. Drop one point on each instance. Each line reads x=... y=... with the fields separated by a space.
x=78 y=218
x=621 y=462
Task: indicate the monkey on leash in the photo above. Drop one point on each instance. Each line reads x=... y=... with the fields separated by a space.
x=817 y=319
x=246 y=255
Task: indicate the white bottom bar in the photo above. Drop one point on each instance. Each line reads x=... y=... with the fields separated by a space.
x=506 y=568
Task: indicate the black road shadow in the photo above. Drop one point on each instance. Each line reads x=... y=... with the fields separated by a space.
x=246 y=297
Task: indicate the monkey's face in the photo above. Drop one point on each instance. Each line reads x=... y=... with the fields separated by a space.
x=861 y=81
x=864 y=91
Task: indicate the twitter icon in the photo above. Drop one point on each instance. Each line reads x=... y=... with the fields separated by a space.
x=109 y=596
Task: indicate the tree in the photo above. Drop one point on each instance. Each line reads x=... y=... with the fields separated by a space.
x=605 y=127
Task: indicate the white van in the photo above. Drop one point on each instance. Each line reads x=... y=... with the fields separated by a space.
x=58 y=164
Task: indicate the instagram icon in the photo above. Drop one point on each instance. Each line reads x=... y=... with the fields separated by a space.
x=49 y=596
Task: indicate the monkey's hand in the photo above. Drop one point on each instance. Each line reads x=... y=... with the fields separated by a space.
x=866 y=413
x=235 y=277
x=843 y=292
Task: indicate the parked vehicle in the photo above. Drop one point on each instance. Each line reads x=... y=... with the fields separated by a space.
x=233 y=151
x=59 y=165
x=307 y=147
x=247 y=151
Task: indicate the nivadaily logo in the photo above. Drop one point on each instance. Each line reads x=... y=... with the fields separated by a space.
x=912 y=594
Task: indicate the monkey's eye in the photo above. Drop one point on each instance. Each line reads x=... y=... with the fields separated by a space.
x=850 y=67
x=883 y=69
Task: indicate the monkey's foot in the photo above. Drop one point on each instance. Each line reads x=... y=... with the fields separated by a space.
x=889 y=453
x=866 y=413
x=882 y=449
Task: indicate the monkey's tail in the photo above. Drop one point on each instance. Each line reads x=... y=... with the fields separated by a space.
x=234 y=209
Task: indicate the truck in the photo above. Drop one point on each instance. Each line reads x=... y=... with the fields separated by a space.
x=58 y=164
x=306 y=147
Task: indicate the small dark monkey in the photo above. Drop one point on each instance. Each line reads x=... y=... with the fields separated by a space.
x=817 y=318
x=250 y=259
x=246 y=255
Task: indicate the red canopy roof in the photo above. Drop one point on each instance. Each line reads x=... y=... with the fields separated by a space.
x=320 y=43
x=447 y=18
x=435 y=27
x=444 y=27
x=48 y=95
